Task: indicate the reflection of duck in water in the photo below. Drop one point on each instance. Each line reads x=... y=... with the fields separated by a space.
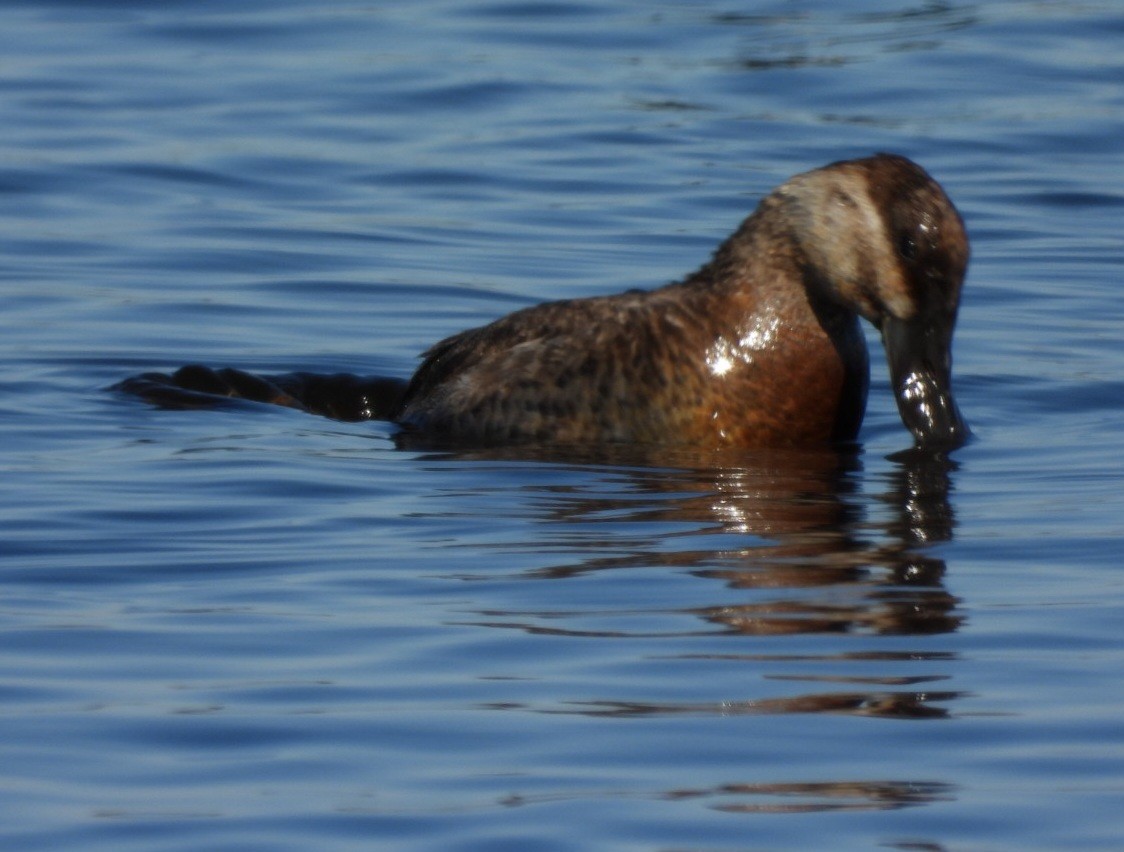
x=760 y=347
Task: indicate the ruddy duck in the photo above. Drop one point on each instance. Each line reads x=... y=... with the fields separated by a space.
x=760 y=347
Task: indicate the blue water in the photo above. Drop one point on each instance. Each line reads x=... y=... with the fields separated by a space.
x=253 y=629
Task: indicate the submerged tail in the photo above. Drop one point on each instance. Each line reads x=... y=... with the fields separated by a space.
x=340 y=396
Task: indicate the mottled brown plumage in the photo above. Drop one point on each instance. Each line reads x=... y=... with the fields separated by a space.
x=760 y=347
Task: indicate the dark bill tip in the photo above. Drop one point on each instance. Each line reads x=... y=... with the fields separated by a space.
x=920 y=370
x=928 y=410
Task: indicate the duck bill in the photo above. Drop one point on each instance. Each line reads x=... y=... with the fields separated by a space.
x=920 y=362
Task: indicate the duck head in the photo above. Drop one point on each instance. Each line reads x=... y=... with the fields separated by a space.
x=880 y=238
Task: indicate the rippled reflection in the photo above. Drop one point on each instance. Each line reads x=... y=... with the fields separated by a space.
x=826 y=796
x=789 y=544
x=789 y=798
x=915 y=705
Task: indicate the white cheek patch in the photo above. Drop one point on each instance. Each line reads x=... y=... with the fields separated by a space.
x=889 y=285
x=848 y=238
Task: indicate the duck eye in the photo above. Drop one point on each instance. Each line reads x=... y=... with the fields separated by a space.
x=907 y=247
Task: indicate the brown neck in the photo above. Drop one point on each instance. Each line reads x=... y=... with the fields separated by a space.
x=759 y=269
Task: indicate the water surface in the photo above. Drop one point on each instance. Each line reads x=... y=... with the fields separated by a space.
x=250 y=628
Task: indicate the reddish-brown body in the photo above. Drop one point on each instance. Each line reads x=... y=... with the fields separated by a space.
x=703 y=362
